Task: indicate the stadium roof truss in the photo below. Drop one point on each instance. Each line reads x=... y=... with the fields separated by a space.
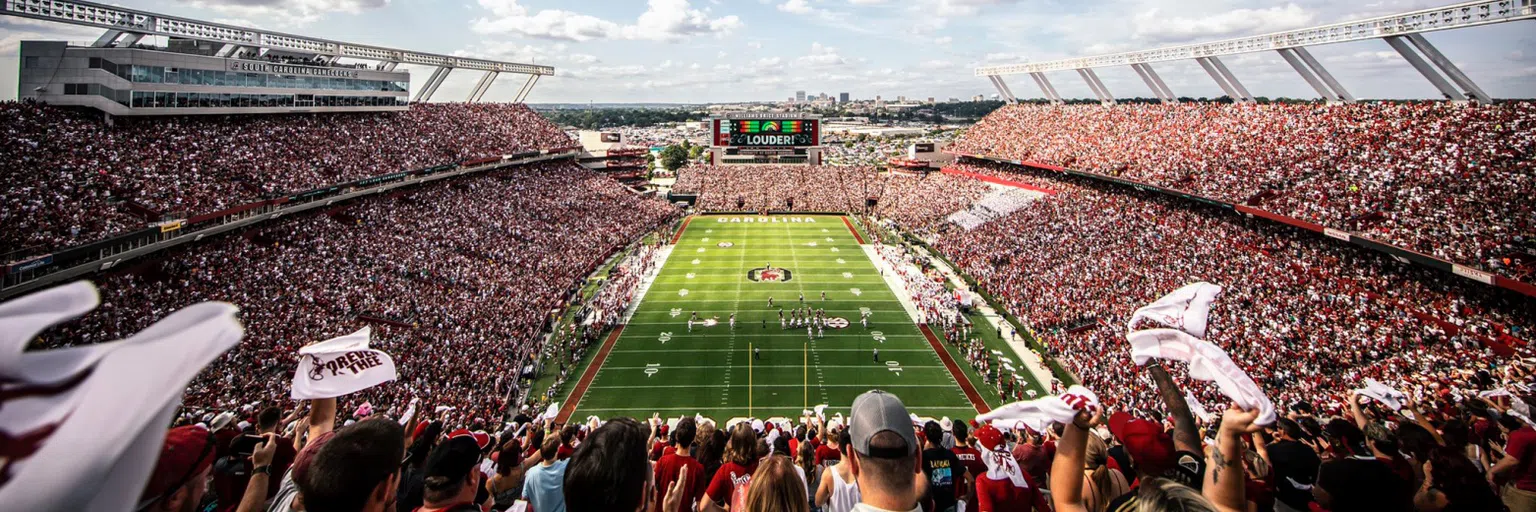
x=1403 y=32
x=124 y=27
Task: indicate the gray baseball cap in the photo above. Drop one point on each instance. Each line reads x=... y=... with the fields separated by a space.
x=874 y=412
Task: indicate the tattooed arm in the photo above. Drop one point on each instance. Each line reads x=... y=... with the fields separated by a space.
x=1185 y=437
x=1224 y=474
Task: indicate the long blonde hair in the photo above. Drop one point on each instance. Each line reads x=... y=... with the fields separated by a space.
x=777 y=488
x=1100 y=483
x=742 y=449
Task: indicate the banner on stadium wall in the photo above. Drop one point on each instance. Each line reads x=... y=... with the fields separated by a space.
x=170 y=225
x=1334 y=233
x=1472 y=273
x=33 y=263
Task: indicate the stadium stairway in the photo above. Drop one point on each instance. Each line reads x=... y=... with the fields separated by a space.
x=645 y=282
x=1031 y=360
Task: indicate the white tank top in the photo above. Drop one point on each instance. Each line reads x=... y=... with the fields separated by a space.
x=844 y=494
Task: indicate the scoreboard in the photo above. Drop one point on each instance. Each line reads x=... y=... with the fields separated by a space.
x=767 y=132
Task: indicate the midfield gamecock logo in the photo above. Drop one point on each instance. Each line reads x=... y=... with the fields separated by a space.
x=837 y=322
x=768 y=274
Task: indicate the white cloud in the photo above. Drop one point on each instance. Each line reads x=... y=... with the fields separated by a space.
x=663 y=20
x=755 y=45
x=943 y=41
x=1152 y=26
x=866 y=2
x=821 y=56
x=796 y=7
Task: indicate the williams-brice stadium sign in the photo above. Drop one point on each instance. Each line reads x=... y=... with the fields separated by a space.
x=768 y=220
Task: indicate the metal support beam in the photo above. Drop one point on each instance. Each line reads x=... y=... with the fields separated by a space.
x=1306 y=74
x=107 y=39
x=427 y=84
x=1050 y=90
x=479 y=86
x=1220 y=80
x=227 y=50
x=129 y=40
x=1008 y=94
x=440 y=80
x=1002 y=93
x=1231 y=79
x=1154 y=82
x=1405 y=49
x=1097 y=86
x=430 y=86
x=487 y=86
x=389 y=66
x=1449 y=68
x=527 y=89
x=1322 y=73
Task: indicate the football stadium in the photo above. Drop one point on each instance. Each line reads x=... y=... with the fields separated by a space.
x=284 y=256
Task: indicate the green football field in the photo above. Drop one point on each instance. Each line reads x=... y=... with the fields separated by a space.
x=657 y=366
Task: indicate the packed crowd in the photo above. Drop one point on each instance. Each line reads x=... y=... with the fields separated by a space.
x=68 y=176
x=1308 y=318
x=1070 y=454
x=913 y=201
x=457 y=279
x=617 y=294
x=1443 y=179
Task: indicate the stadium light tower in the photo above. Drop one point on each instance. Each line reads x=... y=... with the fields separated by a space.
x=125 y=27
x=1403 y=32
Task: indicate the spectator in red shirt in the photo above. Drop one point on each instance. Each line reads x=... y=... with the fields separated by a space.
x=674 y=461
x=1518 y=467
x=740 y=462
x=1004 y=486
x=969 y=457
x=567 y=442
x=829 y=452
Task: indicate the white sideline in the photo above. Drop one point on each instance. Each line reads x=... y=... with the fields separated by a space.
x=893 y=280
x=647 y=279
x=1031 y=360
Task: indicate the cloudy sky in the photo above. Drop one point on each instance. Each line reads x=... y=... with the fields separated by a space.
x=737 y=50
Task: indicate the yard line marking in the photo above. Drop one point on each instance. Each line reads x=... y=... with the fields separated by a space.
x=773 y=366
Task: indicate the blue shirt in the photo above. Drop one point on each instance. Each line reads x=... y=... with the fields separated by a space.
x=544 y=487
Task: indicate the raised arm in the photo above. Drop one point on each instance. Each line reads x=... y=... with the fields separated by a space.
x=1224 y=475
x=1067 y=487
x=1185 y=437
x=322 y=417
x=1355 y=412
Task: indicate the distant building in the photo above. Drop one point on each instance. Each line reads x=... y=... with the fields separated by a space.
x=930 y=100
x=800 y=96
x=842 y=97
x=978 y=97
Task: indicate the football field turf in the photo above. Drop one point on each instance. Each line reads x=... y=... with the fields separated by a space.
x=656 y=365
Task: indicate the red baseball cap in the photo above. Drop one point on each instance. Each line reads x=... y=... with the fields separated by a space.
x=1148 y=445
x=187 y=452
x=481 y=439
x=990 y=437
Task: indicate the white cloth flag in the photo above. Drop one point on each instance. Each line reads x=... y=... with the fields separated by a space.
x=341 y=366
x=1207 y=362
x=1198 y=408
x=1185 y=309
x=1493 y=393
x=1384 y=394
x=1040 y=414
x=95 y=399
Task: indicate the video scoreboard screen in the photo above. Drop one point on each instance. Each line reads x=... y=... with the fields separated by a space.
x=767 y=132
